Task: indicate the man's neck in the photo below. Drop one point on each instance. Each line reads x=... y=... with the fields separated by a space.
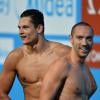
x=37 y=47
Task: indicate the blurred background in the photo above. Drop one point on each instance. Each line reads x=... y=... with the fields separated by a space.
x=60 y=16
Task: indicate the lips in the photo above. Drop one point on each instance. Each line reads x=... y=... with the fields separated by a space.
x=85 y=49
x=23 y=36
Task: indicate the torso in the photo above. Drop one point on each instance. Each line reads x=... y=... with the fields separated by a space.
x=31 y=70
x=78 y=84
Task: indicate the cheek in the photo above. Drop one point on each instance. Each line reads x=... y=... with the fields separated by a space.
x=74 y=42
x=75 y=46
x=31 y=33
x=90 y=44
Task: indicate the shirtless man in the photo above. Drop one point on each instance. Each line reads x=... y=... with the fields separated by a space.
x=31 y=61
x=71 y=79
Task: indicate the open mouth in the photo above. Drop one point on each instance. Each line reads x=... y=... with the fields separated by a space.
x=23 y=36
x=85 y=49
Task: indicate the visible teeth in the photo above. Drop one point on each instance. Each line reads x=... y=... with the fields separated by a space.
x=23 y=36
x=85 y=49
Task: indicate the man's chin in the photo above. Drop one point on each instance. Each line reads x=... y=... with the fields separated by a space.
x=84 y=56
x=28 y=43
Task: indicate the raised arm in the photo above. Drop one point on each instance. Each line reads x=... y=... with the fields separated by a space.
x=7 y=76
x=53 y=82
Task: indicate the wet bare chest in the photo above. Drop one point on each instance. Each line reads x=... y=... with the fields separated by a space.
x=31 y=69
x=78 y=83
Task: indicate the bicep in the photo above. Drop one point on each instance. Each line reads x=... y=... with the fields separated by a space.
x=6 y=80
x=7 y=76
x=52 y=82
x=49 y=87
x=92 y=82
x=92 y=78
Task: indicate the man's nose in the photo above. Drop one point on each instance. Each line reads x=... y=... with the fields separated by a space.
x=21 y=31
x=84 y=42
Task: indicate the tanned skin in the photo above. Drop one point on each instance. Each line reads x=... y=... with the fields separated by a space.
x=70 y=78
x=31 y=61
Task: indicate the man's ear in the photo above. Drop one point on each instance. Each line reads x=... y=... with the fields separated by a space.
x=40 y=29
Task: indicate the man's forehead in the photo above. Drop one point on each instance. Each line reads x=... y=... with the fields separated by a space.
x=83 y=31
x=25 y=20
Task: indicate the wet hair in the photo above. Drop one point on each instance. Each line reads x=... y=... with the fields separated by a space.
x=82 y=24
x=35 y=15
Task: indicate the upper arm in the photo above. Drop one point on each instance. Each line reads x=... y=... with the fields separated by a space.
x=7 y=75
x=93 y=82
x=52 y=81
x=93 y=85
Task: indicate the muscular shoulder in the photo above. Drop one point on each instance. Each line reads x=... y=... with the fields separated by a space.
x=13 y=57
x=16 y=53
x=60 y=49
x=58 y=71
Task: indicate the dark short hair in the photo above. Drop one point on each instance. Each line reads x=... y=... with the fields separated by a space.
x=35 y=15
x=81 y=24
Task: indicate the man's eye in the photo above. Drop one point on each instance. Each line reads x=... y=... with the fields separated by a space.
x=79 y=38
x=25 y=27
x=89 y=39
